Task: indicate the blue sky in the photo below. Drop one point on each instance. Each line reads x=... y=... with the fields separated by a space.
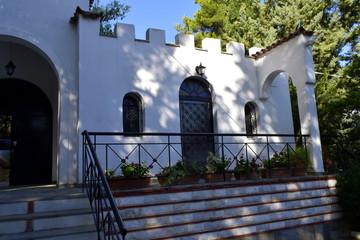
x=159 y=14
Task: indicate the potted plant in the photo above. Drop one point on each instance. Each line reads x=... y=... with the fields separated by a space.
x=133 y=175
x=300 y=161
x=216 y=168
x=277 y=166
x=179 y=174
x=246 y=169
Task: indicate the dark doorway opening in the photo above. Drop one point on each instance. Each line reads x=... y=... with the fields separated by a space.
x=30 y=114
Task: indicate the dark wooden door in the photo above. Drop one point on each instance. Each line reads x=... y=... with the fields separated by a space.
x=31 y=132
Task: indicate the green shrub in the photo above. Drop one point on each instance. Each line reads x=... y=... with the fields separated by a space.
x=180 y=169
x=135 y=169
x=348 y=192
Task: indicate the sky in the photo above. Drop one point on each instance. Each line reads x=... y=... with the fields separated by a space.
x=159 y=14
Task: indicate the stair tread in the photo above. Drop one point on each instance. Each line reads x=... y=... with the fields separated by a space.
x=219 y=218
x=182 y=232
x=48 y=233
x=38 y=193
x=47 y=214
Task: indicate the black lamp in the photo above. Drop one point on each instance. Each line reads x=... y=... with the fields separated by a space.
x=200 y=70
x=10 y=67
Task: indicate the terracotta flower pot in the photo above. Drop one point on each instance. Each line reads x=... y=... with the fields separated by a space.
x=185 y=180
x=117 y=183
x=277 y=172
x=217 y=177
x=243 y=176
x=299 y=169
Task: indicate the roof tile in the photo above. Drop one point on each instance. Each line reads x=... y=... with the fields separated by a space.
x=301 y=30
x=85 y=14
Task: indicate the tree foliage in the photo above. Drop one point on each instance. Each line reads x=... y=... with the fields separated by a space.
x=114 y=10
x=336 y=52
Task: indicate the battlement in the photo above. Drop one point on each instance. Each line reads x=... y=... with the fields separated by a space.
x=157 y=37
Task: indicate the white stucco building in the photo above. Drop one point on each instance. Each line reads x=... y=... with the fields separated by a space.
x=68 y=78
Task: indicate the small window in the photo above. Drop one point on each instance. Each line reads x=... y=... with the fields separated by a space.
x=250 y=118
x=133 y=116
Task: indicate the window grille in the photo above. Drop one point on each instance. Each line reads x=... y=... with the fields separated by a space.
x=250 y=118
x=133 y=116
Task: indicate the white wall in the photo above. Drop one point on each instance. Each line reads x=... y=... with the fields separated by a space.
x=115 y=66
x=110 y=67
x=49 y=44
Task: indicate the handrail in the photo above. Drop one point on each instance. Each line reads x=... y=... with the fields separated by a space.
x=100 y=196
x=194 y=134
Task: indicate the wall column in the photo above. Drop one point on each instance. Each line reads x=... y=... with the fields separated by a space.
x=309 y=122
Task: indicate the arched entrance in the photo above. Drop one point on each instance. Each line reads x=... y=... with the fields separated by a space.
x=29 y=115
x=196 y=116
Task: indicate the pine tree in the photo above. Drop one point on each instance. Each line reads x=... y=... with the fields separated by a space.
x=112 y=11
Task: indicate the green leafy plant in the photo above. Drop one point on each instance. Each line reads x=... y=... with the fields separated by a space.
x=109 y=173
x=246 y=167
x=179 y=170
x=135 y=169
x=216 y=164
x=277 y=160
x=300 y=154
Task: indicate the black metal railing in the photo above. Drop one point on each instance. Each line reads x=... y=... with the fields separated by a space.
x=164 y=149
x=338 y=154
x=108 y=222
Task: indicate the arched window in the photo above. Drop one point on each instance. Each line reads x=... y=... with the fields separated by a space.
x=133 y=114
x=250 y=118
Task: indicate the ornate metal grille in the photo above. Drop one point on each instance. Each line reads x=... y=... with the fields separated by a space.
x=132 y=113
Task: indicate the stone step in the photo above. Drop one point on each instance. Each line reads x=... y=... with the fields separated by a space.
x=224 y=211
x=228 y=228
x=45 y=213
x=173 y=207
x=193 y=193
x=86 y=232
x=211 y=214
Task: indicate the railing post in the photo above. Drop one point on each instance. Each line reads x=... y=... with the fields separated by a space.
x=106 y=159
x=268 y=153
x=169 y=150
x=223 y=156
x=139 y=146
x=288 y=154
x=246 y=151
x=83 y=162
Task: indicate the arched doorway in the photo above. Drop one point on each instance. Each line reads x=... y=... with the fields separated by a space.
x=29 y=113
x=196 y=116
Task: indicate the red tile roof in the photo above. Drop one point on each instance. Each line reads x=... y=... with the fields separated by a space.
x=85 y=14
x=301 y=30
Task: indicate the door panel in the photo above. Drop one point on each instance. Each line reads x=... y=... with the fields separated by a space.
x=196 y=117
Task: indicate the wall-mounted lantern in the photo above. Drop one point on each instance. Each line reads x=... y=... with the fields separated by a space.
x=10 y=67
x=200 y=70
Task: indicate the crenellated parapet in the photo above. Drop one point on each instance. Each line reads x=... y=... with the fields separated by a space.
x=157 y=37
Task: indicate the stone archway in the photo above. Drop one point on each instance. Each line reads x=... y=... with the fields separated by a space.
x=196 y=116
x=31 y=97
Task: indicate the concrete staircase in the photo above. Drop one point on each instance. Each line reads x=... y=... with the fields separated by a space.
x=234 y=210
x=271 y=209
x=45 y=212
